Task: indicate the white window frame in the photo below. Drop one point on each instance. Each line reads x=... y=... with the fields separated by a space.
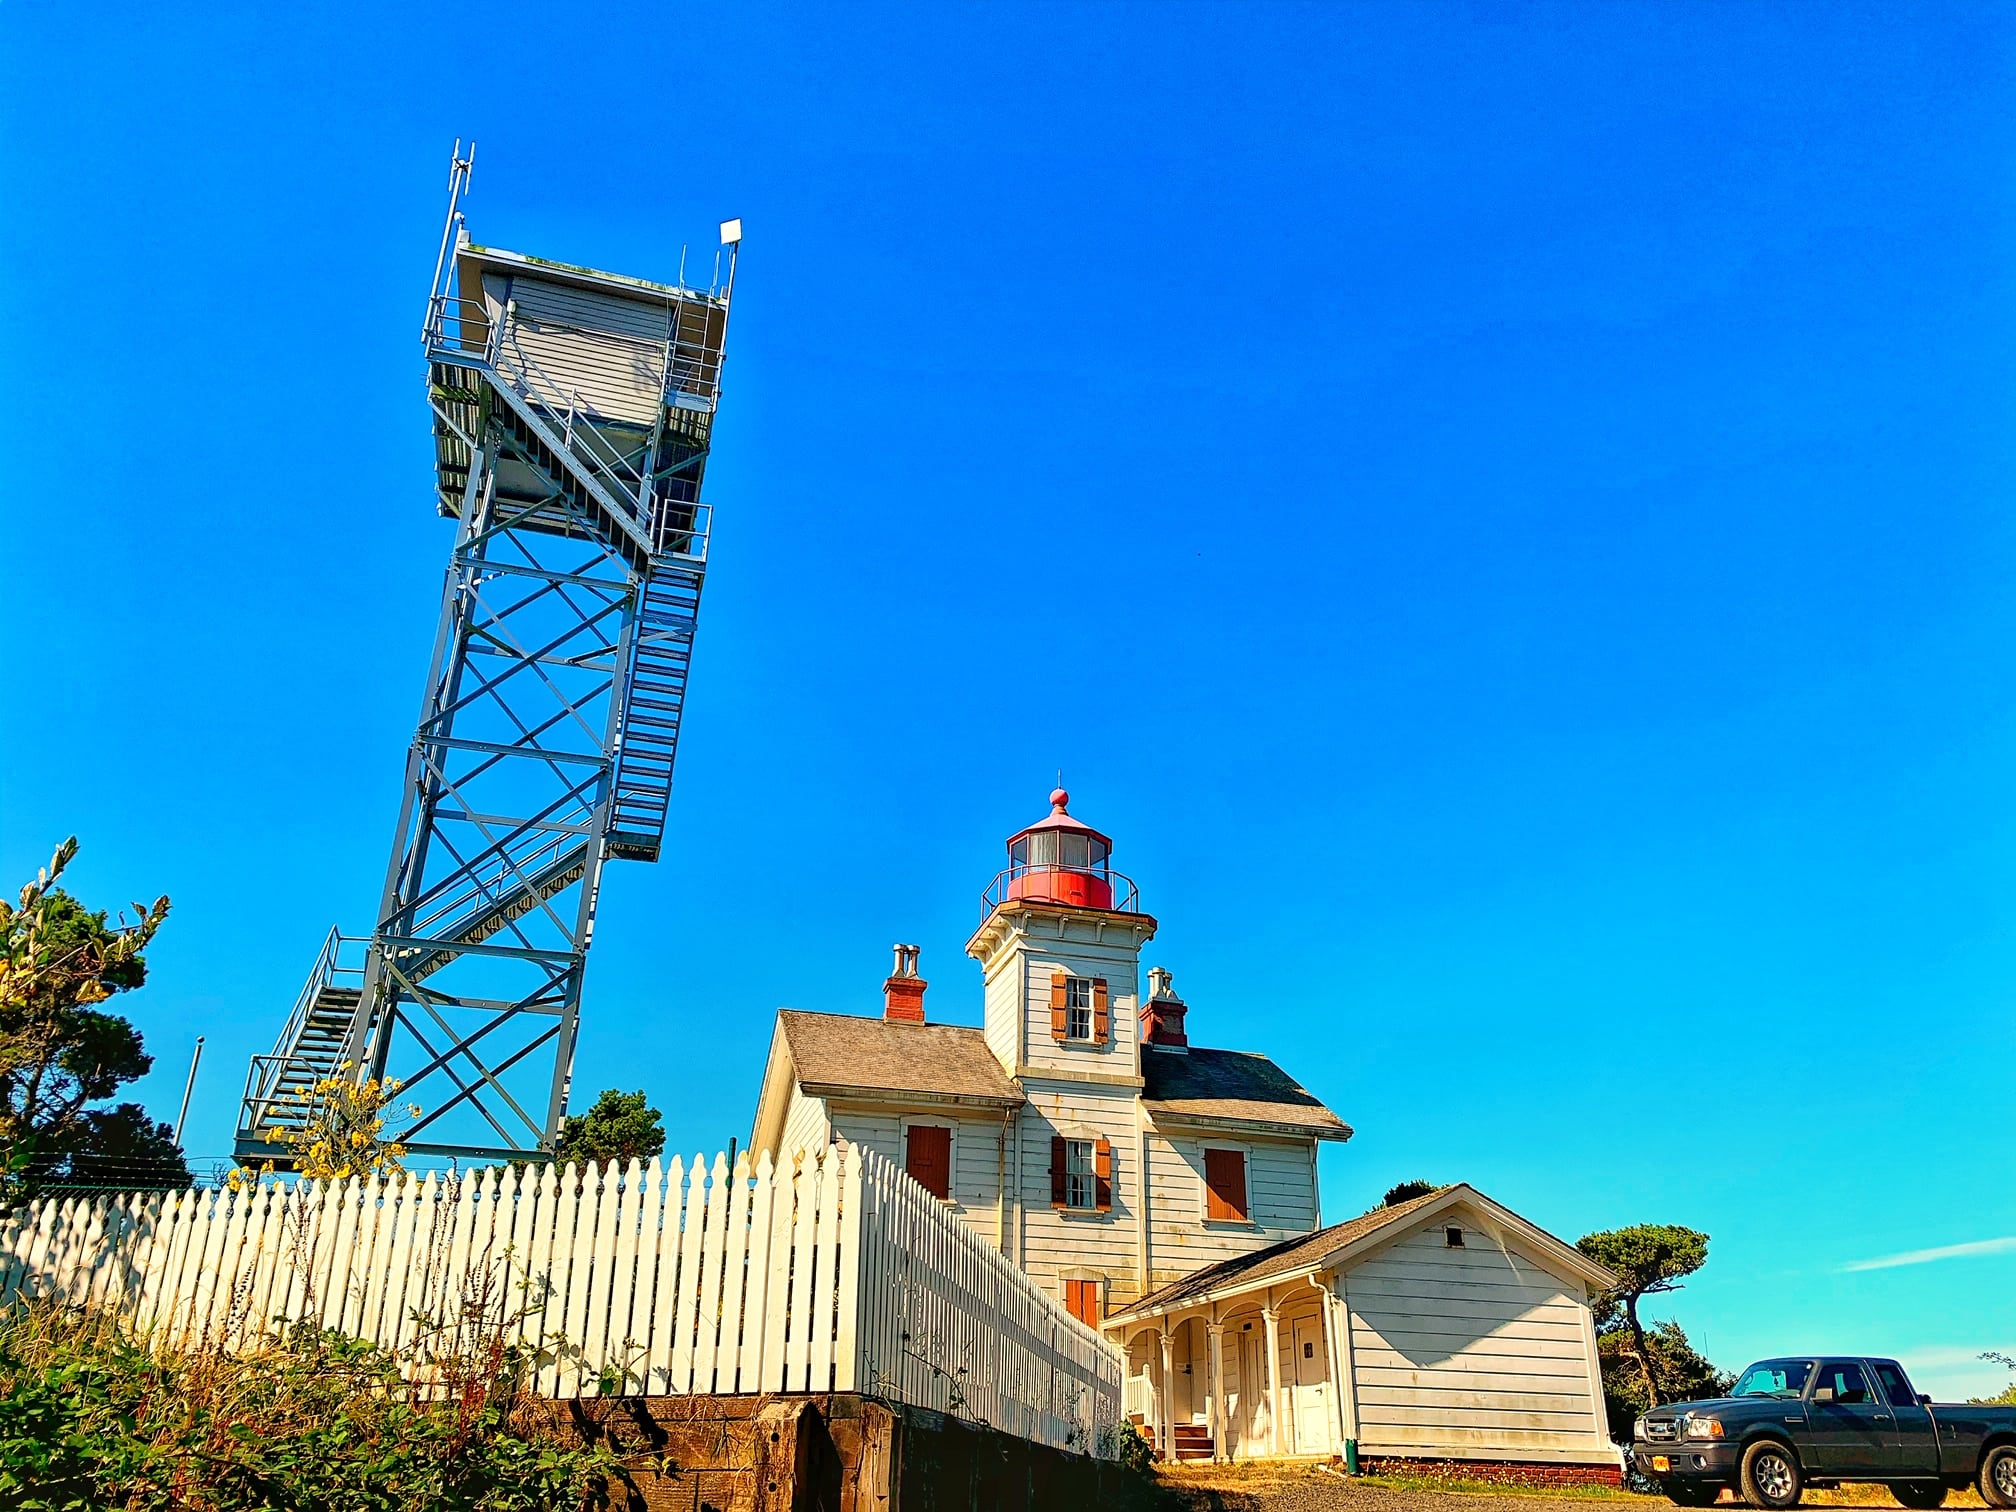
x=1245 y=1152
x=1089 y=1176
x=932 y=1121
x=1077 y=1013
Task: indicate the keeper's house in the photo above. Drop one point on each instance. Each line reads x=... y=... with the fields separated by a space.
x=1167 y=1193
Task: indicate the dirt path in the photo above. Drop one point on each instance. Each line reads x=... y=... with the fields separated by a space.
x=1301 y=1488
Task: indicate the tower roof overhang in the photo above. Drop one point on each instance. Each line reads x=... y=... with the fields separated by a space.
x=473 y=259
x=1006 y=917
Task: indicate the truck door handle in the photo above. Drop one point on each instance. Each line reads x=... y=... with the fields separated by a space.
x=1882 y=1417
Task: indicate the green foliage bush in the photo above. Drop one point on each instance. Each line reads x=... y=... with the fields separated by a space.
x=89 y=1418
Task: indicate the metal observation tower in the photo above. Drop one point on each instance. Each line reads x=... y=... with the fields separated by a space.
x=572 y=416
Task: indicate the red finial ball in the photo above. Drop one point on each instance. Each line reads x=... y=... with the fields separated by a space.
x=1058 y=798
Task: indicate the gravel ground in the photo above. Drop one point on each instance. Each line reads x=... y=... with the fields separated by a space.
x=1301 y=1488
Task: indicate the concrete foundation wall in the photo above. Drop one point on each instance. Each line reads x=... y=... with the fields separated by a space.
x=833 y=1453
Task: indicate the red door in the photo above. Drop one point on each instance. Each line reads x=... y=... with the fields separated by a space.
x=1081 y=1298
x=927 y=1156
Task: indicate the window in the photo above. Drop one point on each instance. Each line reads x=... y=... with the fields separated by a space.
x=1081 y=1300
x=1225 y=1186
x=1081 y=1175
x=1078 y=1008
x=1844 y=1379
x=1774 y=1378
x=927 y=1156
x=1453 y=1237
x=1078 y=1173
x=1896 y=1385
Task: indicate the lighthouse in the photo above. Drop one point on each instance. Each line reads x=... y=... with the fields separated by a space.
x=1059 y=945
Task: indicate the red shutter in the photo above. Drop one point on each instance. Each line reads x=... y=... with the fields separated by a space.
x=1102 y=1169
x=1057 y=1164
x=1060 y=1017
x=1101 y=1023
x=1081 y=1300
x=927 y=1156
x=1225 y=1185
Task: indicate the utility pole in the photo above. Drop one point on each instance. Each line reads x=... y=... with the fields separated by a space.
x=188 y=1088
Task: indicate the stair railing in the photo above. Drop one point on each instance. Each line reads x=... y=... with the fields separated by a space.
x=262 y=1078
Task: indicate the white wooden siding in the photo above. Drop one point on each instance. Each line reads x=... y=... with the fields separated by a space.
x=1119 y=964
x=1477 y=1352
x=1002 y=1003
x=976 y=1152
x=1054 y=1242
x=1281 y=1188
x=1018 y=994
x=608 y=350
x=806 y=1125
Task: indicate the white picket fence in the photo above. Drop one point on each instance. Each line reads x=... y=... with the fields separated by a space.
x=834 y=1273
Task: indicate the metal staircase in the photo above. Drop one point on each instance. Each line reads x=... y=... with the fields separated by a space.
x=554 y=699
x=650 y=735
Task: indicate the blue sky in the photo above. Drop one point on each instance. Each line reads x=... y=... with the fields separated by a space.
x=1503 y=512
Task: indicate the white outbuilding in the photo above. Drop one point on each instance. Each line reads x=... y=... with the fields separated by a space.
x=1446 y=1329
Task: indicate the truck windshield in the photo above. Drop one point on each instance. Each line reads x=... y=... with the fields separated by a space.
x=1774 y=1378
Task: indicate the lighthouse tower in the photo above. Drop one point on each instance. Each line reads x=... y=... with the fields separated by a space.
x=1060 y=945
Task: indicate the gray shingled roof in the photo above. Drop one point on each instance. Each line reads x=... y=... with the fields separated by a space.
x=1232 y=1084
x=839 y=1050
x=1281 y=1259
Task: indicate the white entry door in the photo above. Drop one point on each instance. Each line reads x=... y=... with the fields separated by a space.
x=1312 y=1388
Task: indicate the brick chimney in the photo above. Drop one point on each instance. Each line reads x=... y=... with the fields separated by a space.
x=903 y=993
x=1162 y=1014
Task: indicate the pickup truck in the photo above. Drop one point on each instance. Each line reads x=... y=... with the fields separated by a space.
x=1818 y=1421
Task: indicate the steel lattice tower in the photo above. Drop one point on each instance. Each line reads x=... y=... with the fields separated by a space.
x=573 y=412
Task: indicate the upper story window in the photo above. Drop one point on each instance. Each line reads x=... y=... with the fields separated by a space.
x=1078 y=1177
x=1081 y=1175
x=1225 y=1186
x=1078 y=1009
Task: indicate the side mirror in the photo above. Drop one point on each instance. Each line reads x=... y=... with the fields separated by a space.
x=1823 y=1394
x=1924 y=1399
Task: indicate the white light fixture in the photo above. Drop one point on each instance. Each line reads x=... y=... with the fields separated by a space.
x=731 y=232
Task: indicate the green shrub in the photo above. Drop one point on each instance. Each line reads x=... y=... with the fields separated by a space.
x=89 y=1418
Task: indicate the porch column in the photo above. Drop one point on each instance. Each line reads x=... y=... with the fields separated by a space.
x=1334 y=1348
x=1220 y=1450
x=1273 y=1321
x=1165 y=1399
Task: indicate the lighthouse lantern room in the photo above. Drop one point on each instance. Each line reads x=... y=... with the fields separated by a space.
x=1060 y=860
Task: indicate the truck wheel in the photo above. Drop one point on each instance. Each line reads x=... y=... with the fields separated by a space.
x=1921 y=1496
x=1771 y=1475
x=1997 y=1480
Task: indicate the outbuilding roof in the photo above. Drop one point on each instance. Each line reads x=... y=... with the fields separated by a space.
x=1314 y=1252
x=1232 y=1086
x=838 y=1053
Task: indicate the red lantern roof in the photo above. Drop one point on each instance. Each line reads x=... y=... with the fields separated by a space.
x=1059 y=819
